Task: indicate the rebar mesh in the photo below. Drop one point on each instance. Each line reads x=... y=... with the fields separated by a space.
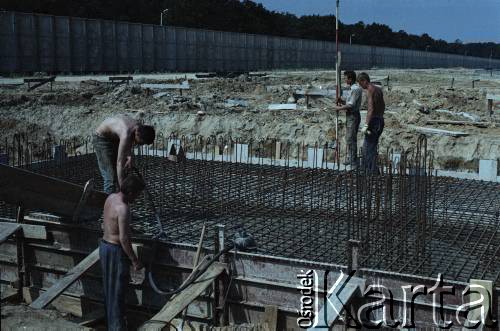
x=407 y=220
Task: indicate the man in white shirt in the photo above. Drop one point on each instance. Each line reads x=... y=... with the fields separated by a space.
x=351 y=106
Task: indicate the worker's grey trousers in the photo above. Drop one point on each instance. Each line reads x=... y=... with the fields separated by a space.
x=351 y=138
x=115 y=275
x=106 y=151
x=375 y=128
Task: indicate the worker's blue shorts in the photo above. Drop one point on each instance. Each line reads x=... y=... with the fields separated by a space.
x=116 y=275
x=106 y=151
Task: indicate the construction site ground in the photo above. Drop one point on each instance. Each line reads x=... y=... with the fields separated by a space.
x=77 y=104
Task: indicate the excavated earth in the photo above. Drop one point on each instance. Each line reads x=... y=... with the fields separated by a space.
x=75 y=107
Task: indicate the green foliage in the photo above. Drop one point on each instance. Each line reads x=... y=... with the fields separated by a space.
x=250 y=17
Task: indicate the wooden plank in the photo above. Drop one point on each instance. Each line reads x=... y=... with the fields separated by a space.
x=183 y=86
x=35 y=191
x=7 y=229
x=316 y=92
x=63 y=303
x=439 y=131
x=93 y=317
x=481 y=290
x=72 y=275
x=493 y=97
x=271 y=317
x=121 y=78
x=478 y=124
x=284 y=106
x=43 y=82
x=180 y=301
x=29 y=231
x=339 y=297
x=39 y=79
x=8 y=293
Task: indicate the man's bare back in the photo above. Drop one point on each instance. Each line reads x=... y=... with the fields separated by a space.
x=113 y=208
x=123 y=130
x=116 y=128
x=376 y=104
x=116 y=225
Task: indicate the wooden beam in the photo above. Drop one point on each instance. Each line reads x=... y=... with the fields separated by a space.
x=478 y=124
x=180 y=301
x=93 y=317
x=29 y=231
x=7 y=230
x=63 y=303
x=271 y=317
x=340 y=296
x=41 y=82
x=8 y=293
x=35 y=191
x=72 y=275
x=438 y=131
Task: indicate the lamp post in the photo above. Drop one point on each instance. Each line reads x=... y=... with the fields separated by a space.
x=164 y=12
x=350 y=38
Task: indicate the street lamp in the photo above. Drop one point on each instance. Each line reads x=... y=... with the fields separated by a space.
x=350 y=38
x=164 y=12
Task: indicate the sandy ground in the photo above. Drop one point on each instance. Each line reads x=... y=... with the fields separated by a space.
x=78 y=104
x=21 y=317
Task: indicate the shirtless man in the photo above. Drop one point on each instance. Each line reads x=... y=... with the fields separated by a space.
x=374 y=124
x=115 y=250
x=113 y=141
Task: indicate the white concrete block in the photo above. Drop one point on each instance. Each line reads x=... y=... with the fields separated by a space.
x=314 y=157
x=488 y=170
x=240 y=152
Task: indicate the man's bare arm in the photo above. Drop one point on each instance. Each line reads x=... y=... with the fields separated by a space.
x=124 y=229
x=369 y=99
x=124 y=155
x=346 y=107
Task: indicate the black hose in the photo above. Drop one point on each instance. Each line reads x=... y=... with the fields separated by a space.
x=191 y=279
x=241 y=242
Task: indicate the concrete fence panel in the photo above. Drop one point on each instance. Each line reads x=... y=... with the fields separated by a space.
x=32 y=42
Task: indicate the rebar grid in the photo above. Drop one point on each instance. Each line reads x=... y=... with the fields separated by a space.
x=407 y=220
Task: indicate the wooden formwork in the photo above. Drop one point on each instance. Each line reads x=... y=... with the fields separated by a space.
x=256 y=282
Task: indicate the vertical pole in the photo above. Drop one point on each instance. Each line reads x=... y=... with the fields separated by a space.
x=21 y=269
x=354 y=257
x=337 y=72
x=215 y=306
x=223 y=318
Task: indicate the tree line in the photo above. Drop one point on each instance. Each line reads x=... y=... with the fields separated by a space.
x=249 y=17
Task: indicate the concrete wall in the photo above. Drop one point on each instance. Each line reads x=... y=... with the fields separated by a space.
x=31 y=42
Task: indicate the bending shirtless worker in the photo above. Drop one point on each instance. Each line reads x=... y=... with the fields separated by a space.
x=113 y=141
x=374 y=124
x=115 y=250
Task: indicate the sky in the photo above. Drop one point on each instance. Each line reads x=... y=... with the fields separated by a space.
x=467 y=20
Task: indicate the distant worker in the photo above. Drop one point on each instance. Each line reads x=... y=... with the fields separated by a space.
x=351 y=106
x=374 y=124
x=113 y=142
x=115 y=250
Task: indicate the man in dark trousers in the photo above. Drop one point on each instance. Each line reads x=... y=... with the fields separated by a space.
x=115 y=250
x=113 y=141
x=374 y=124
x=351 y=106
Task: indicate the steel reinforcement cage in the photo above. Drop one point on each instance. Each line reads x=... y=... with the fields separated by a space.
x=298 y=201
